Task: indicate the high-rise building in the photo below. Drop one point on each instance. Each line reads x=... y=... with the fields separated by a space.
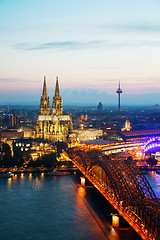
x=119 y=91
x=100 y=107
x=53 y=125
x=13 y=121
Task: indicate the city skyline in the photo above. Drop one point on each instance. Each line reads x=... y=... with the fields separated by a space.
x=90 y=45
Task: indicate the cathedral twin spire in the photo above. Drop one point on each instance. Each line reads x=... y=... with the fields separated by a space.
x=57 y=108
x=57 y=94
x=44 y=106
x=44 y=88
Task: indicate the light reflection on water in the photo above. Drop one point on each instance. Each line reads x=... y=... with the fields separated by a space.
x=49 y=208
x=154 y=180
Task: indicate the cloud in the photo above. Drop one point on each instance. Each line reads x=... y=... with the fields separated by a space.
x=134 y=43
x=8 y=80
x=59 y=45
x=146 y=28
x=83 y=45
x=14 y=80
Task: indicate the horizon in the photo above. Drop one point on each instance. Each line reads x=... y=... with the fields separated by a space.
x=79 y=97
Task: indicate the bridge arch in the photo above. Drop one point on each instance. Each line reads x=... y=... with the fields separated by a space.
x=140 y=185
x=125 y=187
x=100 y=172
x=112 y=171
x=152 y=145
x=79 y=157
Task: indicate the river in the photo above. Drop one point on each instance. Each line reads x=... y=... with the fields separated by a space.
x=57 y=208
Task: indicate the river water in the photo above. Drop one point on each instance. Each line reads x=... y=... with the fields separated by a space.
x=42 y=207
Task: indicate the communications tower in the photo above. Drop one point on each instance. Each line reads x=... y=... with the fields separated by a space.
x=119 y=91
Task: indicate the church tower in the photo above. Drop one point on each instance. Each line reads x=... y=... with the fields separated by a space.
x=57 y=101
x=44 y=106
x=53 y=126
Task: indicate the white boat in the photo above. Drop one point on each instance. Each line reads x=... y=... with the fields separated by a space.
x=6 y=174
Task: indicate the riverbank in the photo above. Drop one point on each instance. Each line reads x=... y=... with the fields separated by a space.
x=37 y=170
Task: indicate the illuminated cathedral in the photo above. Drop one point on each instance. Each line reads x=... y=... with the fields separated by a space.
x=52 y=125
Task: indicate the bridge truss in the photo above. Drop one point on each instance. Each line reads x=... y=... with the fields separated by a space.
x=125 y=187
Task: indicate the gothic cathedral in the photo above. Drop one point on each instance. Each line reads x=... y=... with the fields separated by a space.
x=52 y=126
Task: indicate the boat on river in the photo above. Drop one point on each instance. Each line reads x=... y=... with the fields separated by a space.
x=57 y=173
x=6 y=175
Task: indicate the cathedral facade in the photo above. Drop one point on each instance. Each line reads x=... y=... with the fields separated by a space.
x=52 y=125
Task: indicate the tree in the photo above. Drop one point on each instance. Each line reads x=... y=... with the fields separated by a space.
x=6 y=149
x=19 y=162
x=152 y=161
x=8 y=161
x=49 y=160
x=60 y=146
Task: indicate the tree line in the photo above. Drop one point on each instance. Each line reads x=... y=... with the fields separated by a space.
x=19 y=159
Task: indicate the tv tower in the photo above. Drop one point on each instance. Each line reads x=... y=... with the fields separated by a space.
x=119 y=91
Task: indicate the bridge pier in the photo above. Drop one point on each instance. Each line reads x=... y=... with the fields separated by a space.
x=115 y=221
x=83 y=181
x=124 y=186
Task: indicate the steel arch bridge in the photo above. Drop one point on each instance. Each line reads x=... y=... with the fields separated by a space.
x=125 y=187
x=152 y=145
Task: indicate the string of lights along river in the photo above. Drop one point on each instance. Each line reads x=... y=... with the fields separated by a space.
x=57 y=208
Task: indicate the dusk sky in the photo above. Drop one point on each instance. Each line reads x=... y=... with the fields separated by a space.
x=88 y=44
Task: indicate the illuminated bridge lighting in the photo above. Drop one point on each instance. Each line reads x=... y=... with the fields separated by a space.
x=123 y=185
x=152 y=145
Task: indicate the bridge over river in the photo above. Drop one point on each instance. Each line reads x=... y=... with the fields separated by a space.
x=125 y=187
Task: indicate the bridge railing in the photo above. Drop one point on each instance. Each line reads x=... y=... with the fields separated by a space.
x=143 y=214
x=138 y=216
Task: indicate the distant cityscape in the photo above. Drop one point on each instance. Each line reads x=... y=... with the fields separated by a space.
x=93 y=125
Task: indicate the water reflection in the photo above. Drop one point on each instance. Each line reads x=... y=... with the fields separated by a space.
x=22 y=176
x=9 y=183
x=42 y=175
x=15 y=177
x=81 y=192
x=152 y=174
x=30 y=176
x=59 y=204
x=154 y=180
x=37 y=183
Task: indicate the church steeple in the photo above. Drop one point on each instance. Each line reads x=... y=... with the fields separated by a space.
x=44 y=87
x=44 y=106
x=57 y=101
x=57 y=94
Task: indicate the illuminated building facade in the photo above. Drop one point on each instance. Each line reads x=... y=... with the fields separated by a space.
x=127 y=126
x=11 y=134
x=88 y=134
x=53 y=125
x=33 y=147
x=139 y=135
